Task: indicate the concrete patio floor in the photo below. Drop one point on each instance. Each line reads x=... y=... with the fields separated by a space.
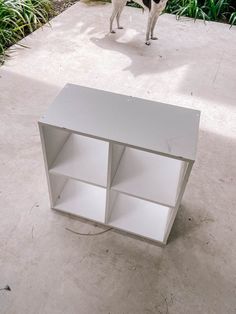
x=51 y=270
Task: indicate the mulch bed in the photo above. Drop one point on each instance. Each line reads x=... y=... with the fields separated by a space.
x=61 y=5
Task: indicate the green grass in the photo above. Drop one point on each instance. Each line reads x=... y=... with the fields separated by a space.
x=19 y=18
x=210 y=10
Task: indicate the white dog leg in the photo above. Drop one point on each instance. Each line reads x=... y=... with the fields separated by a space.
x=150 y=22
x=116 y=7
x=114 y=13
x=118 y=21
x=119 y=13
x=153 y=26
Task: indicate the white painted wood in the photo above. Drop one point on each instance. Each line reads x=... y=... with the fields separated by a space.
x=149 y=176
x=139 y=217
x=54 y=139
x=135 y=154
x=116 y=154
x=57 y=184
x=83 y=199
x=83 y=158
x=149 y=125
x=109 y=176
x=42 y=137
x=183 y=170
x=111 y=202
x=175 y=210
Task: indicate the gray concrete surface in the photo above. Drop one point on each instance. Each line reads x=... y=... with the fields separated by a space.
x=53 y=271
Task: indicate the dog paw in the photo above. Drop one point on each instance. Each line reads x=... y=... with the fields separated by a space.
x=148 y=43
x=112 y=32
x=154 y=38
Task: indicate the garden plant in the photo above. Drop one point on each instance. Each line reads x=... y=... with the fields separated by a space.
x=211 y=10
x=19 y=18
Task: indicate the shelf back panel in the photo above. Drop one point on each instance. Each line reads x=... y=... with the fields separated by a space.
x=139 y=217
x=149 y=176
x=83 y=200
x=83 y=158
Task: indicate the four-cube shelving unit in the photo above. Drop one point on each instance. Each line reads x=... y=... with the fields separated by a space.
x=118 y=160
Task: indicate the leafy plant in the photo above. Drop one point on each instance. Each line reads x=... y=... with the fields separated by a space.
x=232 y=19
x=192 y=9
x=217 y=9
x=213 y=10
x=19 y=18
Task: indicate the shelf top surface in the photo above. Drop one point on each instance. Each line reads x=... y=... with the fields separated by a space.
x=149 y=125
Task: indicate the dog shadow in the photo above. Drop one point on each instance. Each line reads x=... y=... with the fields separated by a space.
x=145 y=59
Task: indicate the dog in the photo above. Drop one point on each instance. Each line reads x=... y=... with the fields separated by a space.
x=155 y=9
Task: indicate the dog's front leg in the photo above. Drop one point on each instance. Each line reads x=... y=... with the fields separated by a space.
x=150 y=22
x=118 y=6
x=153 y=26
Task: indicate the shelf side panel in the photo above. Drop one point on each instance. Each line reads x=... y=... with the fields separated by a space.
x=57 y=184
x=183 y=170
x=181 y=192
x=54 y=140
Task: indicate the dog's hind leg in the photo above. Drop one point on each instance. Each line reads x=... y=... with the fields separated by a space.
x=116 y=7
x=114 y=13
x=119 y=13
x=149 y=25
x=118 y=20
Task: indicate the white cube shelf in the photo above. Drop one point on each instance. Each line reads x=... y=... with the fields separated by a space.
x=118 y=160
